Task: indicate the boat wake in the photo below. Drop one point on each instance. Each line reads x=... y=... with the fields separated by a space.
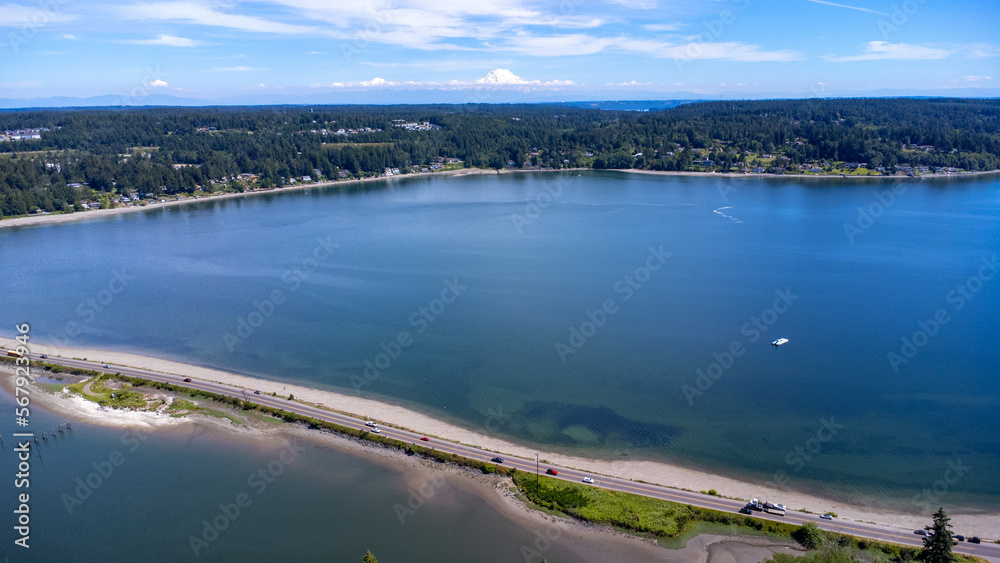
x=719 y=211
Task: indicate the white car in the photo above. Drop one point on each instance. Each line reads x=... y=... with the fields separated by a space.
x=370 y=423
x=376 y=430
x=588 y=480
x=781 y=506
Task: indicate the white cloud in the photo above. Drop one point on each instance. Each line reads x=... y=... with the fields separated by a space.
x=557 y=45
x=238 y=69
x=498 y=78
x=157 y=84
x=68 y=36
x=846 y=6
x=15 y=15
x=883 y=50
x=635 y=4
x=662 y=26
x=196 y=13
x=167 y=40
x=972 y=78
x=376 y=82
x=631 y=83
x=582 y=44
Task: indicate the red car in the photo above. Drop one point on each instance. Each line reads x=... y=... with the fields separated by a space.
x=426 y=439
x=552 y=472
x=187 y=380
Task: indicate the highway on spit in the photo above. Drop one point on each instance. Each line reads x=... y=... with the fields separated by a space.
x=989 y=551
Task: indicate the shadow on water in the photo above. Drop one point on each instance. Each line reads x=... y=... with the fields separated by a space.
x=563 y=424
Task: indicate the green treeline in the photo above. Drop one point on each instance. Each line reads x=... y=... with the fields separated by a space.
x=97 y=155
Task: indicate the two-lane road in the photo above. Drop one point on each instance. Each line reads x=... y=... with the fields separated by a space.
x=859 y=529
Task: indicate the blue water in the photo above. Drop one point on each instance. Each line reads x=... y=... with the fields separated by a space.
x=115 y=494
x=488 y=357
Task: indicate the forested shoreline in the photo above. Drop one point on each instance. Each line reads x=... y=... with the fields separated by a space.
x=66 y=160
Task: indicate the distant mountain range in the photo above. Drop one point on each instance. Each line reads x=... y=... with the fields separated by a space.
x=502 y=89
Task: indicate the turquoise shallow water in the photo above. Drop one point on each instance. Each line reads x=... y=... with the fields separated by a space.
x=309 y=286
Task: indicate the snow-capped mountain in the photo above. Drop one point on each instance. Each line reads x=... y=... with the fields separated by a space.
x=501 y=76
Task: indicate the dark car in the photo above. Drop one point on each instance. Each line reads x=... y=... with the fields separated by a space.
x=921 y=532
x=746 y=510
x=497 y=460
x=43 y=356
x=958 y=537
x=256 y=392
x=973 y=539
x=187 y=380
x=552 y=472
x=826 y=516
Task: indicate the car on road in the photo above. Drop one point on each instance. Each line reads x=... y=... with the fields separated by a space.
x=497 y=460
x=780 y=506
x=376 y=430
x=588 y=480
x=426 y=439
x=107 y=366
x=551 y=471
x=257 y=392
x=921 y=532
x=371 y=423
x=826 y=516
x=746 y=510
x=958 y=537
x=973 y=539
x=187 y=380
x=43 y=356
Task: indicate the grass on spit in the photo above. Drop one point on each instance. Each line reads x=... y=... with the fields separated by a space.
x=622 y=510
x=117 y=398
x=672 y=524
x=636 y=513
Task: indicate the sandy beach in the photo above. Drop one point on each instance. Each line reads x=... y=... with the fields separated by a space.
x=590 y=543
x=35 y=220
x=984 y=525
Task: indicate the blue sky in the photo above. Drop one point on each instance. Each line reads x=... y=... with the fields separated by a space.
x=588 y=50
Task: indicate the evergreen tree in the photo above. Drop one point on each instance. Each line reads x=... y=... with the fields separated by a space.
x=937 y=547
x=369 y=558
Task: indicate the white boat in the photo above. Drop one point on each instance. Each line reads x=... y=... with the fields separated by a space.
x=780 y=342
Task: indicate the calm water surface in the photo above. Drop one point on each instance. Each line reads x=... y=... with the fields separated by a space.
x=355 y=268
x=156 y=490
